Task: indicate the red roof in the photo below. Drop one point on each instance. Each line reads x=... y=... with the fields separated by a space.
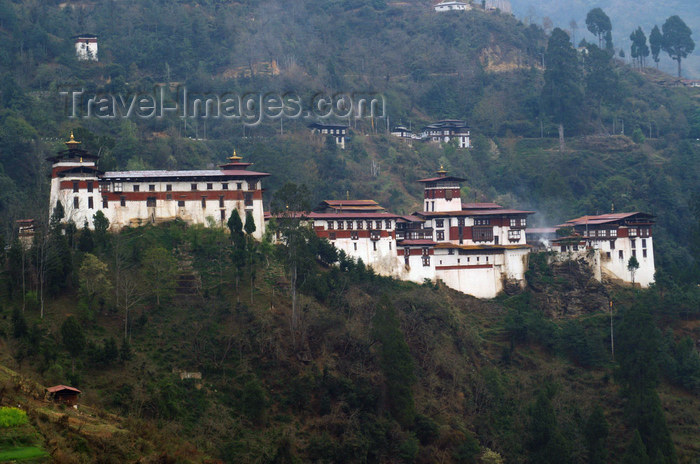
x=434 y=179
x=481 y=206
x=601 y=219
x=352 y=214
x=351 y=202
x=58 y=388
x=411 y=218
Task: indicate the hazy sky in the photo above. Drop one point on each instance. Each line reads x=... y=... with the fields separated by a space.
x=625 y=15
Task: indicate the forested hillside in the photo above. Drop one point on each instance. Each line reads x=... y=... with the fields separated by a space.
x=337 y=364
x=354 y=368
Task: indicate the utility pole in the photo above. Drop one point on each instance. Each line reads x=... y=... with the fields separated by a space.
x=612 y=336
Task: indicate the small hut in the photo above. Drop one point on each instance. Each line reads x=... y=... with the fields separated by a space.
x=63 y=394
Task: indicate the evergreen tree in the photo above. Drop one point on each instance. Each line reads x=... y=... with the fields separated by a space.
x=639 y=49
x=73 y=339
x=58 y=214
x=676 y=40
x=396 y=362
x=596 y=432
x=598 y=23
x=655 y=42
x=101 y=226
x=19 y=324
x=602 y=83
x=561 y=94
x=636 y=452
x=632 y=266
x=249 y=223
x=85 y=242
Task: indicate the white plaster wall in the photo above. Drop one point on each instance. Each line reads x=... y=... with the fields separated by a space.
x=481 y=283
x=617 y=267
x=86 y=51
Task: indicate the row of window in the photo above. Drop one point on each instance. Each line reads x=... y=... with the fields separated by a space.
x=378 y=224
x=478 y=258
x=633 y=232
x=600 y=233
x=621 y=254
x=151 y=201
x=517 y=222
x=119 y=186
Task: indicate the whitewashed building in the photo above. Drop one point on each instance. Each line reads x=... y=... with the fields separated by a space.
x=447 y=130
x=337 y=131
x=613 y=240
x=86 y=47
x=452 y=6
x=475 y=248
x=133 y=198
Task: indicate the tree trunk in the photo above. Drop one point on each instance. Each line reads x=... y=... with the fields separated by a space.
x=561 y=137
x=679 y=67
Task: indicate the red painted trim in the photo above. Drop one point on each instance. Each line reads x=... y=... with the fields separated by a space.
x=623 y=232
x=474 y=266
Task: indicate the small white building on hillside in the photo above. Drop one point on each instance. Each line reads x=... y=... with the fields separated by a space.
x=86 y=47
x=452 y=6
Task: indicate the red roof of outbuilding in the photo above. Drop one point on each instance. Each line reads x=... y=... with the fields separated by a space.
x=58 y=388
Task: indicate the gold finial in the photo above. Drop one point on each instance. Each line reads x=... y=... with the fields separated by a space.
x=442 y=171
x=235 y=157
x=72 y=143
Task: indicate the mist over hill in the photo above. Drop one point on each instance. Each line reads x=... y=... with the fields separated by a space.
x=625 y=15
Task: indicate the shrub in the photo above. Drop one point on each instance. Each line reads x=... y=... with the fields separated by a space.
x=12 y=417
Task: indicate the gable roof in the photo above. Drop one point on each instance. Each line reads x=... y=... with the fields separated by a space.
x=59 y=388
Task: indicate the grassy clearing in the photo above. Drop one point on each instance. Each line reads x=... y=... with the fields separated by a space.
x=24 y=453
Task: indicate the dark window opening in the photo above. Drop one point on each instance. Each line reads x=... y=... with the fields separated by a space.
x=224 y=186
x=169 y=188
x=90 y=204
x=122 y=200
x=193 y=186
x=151 y=188
x=181 y=203
x=76 y=202
x=221 y=201
x=89 y=186
x=248 y=199
x=136 y=188
x=75 y=186
x=151 y=202
x=105 y=203
x=210 y=186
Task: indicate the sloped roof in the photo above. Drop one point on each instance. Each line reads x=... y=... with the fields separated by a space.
x=603 y=218
x=481 y=206
x=173 y=174
x=58 y=388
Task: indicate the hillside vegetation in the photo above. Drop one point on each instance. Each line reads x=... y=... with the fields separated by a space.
x=369 y=369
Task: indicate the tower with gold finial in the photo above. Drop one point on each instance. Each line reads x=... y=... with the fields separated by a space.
x=442 y=192
x=235 y=163
x=75 y=183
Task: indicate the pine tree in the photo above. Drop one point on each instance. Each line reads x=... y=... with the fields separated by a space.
x=73 y=339
x=596 y=432
x=561 y=94
x=396 y=362
x=655 y=42
x=598 y=23
x=676 y=40
x=636 y=452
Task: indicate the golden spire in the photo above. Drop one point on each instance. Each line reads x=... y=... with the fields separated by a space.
x=235 y=157
x=72 y=143
x=442 y=171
